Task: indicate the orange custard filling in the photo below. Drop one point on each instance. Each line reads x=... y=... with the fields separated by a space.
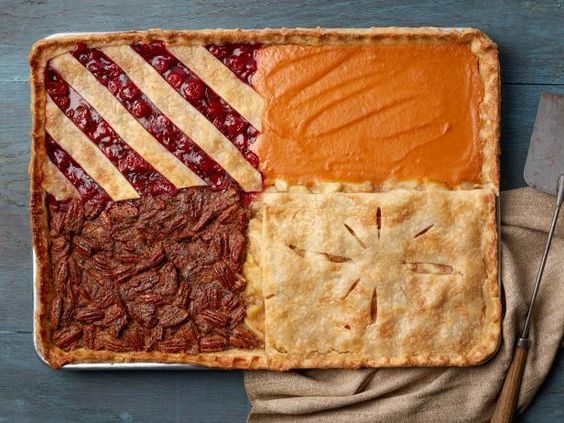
x=370 y=113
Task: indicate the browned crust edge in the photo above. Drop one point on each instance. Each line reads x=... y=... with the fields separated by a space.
x=490 y=109
x=42 y=50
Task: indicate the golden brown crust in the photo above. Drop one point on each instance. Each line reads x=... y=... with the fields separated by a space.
x=55 y=182
x=386 y=279
x=43 y=50
x=486 y=51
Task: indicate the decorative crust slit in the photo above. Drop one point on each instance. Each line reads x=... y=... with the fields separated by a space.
x=378 y=221
x=373 y=307
x=351 y=289
x=334 y=258
x=353 y=233
x=300 y=252
x=423 y=231
x=432 y=268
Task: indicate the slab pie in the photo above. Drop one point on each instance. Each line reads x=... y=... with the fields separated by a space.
x=266 y=199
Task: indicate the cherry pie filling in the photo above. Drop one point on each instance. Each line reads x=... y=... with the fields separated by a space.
x=235 y=128
x=87 y=187
x=240 y=58
x=136 y=170
x=162 y=272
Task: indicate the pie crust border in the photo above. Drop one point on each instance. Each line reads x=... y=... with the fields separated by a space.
x=482 y=46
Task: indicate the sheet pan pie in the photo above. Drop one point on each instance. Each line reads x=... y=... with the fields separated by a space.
x=266 y=198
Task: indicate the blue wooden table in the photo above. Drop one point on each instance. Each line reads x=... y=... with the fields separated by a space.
x=531 y=39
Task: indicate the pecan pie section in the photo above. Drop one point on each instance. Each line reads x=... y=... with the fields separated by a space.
x=161 y=273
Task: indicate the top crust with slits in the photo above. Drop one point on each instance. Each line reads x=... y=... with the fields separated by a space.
x=396 y=278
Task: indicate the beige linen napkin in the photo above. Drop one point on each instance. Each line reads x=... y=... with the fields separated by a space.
x=440 y=394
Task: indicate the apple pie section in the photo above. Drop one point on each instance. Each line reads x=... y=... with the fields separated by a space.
x=383 y=279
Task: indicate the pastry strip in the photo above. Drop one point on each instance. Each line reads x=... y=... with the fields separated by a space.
x=246 y=101
x=56 y=184
x=87 y=154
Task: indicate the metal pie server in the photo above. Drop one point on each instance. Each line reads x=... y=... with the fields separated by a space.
x=544 y=171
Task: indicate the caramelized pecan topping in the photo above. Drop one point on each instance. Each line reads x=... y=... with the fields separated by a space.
x=159 y=273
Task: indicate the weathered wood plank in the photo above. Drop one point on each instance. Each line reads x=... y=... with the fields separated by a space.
x=548 y=404
x=530 y=33
x=30 y=391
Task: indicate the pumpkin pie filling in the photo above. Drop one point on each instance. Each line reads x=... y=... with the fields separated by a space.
x=370 y=113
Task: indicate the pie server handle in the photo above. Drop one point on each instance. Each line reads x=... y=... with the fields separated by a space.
x=507 y=401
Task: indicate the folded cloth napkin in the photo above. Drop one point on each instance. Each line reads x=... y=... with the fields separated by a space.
x=441 y=394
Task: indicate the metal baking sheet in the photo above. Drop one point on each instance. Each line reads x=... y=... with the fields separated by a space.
x=169 y=366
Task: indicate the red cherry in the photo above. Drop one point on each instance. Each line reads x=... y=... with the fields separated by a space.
x=113 y=71
x=175 y=79
x=140 y=109
x=133 y=161
x=96 y=68
x=79 y=49
x=161 y=125
x=155 y=48
x=252 y=158
x=253 y=132
x=205 y=164
x=57 y=88
x=93 y=54
x=102 y=131
x=215 y=108
x=194 y=89
x=181 y=143
x=62 y=159
x=236 y=63
x=221 y=52
x=243 y=52
x=218 y=123
x=219 y=182
x=81 y=113
x=252 y=66
x=241 y=141
x=161 y=63
x=129 y=92
x=233 y=124
x=62 y=102
x=114 y=86
x=115 y=151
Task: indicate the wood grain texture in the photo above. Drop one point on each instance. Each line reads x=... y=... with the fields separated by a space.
x=30 y=391
x=528 y=32
x=530 y=37
x=505 y=409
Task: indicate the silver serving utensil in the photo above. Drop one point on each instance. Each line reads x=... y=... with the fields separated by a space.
x=544 y=171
